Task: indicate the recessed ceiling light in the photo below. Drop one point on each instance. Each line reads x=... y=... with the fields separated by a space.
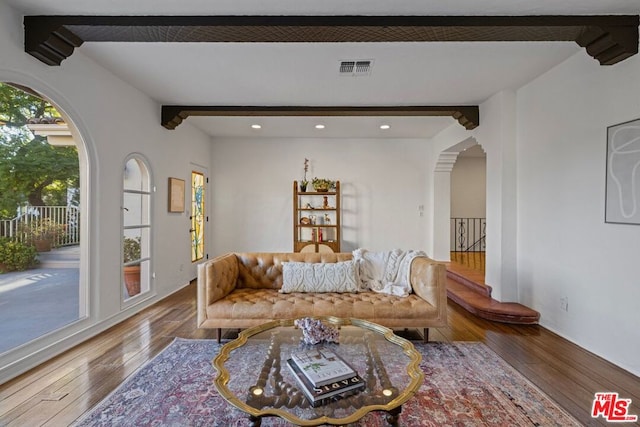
x=319 y=126
x=256 y=127
x=385 y=127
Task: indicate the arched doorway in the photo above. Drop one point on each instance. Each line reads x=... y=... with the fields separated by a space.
x=442 y=230
x=468 y=208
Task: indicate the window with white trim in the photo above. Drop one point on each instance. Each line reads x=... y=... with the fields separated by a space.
x=136 y=233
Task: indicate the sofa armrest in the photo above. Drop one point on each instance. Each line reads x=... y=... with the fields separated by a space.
x=429 y=281
x=217 y=278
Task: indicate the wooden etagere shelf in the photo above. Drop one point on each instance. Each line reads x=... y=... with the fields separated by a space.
x=316 y=220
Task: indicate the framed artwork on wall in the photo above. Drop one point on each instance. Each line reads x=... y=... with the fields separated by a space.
x=176 y=195
x=622 y=191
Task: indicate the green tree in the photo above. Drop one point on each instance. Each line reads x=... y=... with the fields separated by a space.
x=31 y=170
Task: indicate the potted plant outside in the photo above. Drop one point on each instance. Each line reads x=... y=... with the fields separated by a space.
x=130 y=253
x=42 y=233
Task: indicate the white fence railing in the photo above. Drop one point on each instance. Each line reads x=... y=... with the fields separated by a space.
x=66 y=216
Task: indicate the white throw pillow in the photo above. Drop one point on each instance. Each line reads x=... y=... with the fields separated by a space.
x=319 y=277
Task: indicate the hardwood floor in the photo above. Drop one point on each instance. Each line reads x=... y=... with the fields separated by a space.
x=61 y=390
x=472 y=260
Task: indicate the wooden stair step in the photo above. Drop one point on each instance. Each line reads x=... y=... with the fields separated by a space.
x=470 y=282
x=466 y=287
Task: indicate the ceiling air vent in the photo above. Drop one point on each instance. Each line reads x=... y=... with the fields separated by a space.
x=360 y=67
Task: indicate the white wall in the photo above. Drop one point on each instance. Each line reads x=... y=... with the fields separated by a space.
x=546 y=236
x=114 y=120
x=496 y=134
x=468 y=187
x=564 y=247
x=383 y=183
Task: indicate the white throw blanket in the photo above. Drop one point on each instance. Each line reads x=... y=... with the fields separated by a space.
x=386 y=272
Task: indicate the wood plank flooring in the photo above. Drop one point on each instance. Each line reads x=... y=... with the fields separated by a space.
x=472 y=260
x=59 y=391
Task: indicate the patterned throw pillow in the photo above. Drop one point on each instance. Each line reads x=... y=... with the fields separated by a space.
x=319 y=277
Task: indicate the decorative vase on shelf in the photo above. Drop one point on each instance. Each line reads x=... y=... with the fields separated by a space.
x=303 y=186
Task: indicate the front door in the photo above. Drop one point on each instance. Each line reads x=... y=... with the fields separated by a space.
x=198 y=216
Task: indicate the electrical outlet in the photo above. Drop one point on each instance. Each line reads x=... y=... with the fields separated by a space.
x=564 y=303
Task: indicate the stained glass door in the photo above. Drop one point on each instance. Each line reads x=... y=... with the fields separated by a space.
x=197 y=216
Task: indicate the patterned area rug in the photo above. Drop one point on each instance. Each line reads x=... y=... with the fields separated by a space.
x=466 y=384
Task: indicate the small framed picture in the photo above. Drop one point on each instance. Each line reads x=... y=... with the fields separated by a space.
x=176 y=195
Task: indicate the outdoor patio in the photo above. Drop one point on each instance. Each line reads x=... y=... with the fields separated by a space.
x=40 y=300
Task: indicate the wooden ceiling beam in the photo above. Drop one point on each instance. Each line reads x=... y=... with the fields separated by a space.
x=607 y=38
x=467 y=115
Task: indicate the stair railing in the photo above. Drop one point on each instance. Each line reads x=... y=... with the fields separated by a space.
x=468 y=234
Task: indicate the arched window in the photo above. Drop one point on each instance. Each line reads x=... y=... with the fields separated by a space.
x=43 y=184
x=136 y=228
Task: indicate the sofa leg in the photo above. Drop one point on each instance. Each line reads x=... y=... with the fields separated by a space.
x=219 y=334
x=425 y=335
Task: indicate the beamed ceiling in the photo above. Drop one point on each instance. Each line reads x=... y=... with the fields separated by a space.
x=609 y=39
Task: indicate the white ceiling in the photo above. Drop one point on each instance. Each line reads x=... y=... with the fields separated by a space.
x=290 y=74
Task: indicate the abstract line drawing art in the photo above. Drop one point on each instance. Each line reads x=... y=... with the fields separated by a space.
x=622 y=199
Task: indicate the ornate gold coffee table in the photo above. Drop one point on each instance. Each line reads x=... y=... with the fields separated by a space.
x=253 y=375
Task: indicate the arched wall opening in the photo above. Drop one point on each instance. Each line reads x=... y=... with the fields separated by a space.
x=468 y=208
x=498 y=137
x=442 y=231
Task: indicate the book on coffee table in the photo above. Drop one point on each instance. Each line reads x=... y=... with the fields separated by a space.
x=322 y=366
x=318 y=394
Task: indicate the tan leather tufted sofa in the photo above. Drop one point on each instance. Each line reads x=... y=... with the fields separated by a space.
x=240 y=290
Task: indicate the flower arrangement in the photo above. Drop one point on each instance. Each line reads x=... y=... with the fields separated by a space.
x=323 y=184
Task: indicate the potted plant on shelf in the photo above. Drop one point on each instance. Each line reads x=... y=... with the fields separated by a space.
x=130 y=253
x=323 y=184
x=304 y=182
x=42 y=233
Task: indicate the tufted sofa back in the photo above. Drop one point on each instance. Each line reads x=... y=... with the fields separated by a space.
x=258 y=270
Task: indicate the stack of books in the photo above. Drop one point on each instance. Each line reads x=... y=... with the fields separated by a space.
x=322 y=374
